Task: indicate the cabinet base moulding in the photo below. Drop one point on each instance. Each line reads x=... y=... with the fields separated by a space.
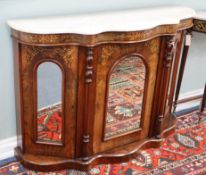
x=117 y=155
x=7 y=147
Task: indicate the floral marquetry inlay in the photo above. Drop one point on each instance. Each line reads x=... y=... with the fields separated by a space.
x=153 y=45
x=107 y=52
x=199 y=26
x=35 y=53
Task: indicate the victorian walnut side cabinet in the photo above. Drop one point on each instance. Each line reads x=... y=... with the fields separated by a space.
x=95 y=88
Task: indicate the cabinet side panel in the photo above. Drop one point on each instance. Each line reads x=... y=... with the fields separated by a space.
x=173 y=78
x=18 y=93
x=66 y=56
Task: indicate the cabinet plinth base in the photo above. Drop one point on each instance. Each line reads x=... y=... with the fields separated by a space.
x=120 y=154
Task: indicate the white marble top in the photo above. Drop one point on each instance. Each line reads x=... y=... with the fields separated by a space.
x=201 y=15
x=94 y=23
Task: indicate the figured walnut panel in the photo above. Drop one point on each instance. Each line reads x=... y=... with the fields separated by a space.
x=66 y=58
x=107 y=56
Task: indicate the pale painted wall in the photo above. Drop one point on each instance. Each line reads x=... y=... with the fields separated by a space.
x=195 y=69
x=10 y=9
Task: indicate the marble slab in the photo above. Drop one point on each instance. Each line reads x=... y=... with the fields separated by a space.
x=94 y=23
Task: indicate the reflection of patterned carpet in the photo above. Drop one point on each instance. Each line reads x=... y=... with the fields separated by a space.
x=125 y=96
x=50 y=123
x=183 y=153
x=126 y=87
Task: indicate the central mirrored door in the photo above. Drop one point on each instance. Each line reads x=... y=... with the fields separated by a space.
x=125 y=97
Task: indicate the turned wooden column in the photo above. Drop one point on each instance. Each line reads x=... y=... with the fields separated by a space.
x=88 y=108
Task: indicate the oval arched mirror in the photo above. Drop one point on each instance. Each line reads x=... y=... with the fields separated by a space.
x=125 y=97
x=49 y=103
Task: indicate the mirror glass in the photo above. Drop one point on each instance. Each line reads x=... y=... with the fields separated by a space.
x=125 y=97
x=49 y=102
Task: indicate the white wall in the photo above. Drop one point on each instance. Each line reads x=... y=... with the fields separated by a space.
x=10 y=9
x=195 y=69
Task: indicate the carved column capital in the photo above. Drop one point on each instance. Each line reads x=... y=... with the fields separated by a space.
x=169 y=50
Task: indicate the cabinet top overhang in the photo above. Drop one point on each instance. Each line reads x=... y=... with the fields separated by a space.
x=200 y=22
x=201 y=15
x=95 y=23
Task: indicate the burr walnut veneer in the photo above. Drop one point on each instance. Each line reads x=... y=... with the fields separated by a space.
x=116 y=80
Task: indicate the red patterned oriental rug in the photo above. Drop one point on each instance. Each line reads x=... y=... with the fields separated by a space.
x=183 y=153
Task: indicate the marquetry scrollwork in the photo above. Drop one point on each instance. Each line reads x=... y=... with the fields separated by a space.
x=107 y=52
x=199 y=26
x=153 y=45
x=89 y=66
x=30 y=53
x=57 y=53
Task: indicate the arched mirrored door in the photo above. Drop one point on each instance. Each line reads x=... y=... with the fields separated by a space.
x=125 y=97
x=49 y=103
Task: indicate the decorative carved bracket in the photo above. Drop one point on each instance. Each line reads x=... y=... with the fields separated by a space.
x=170 y=49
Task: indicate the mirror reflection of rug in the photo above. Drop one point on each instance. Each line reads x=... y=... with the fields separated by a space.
x=183 y=153
x=125 y=97
x=50 y=123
